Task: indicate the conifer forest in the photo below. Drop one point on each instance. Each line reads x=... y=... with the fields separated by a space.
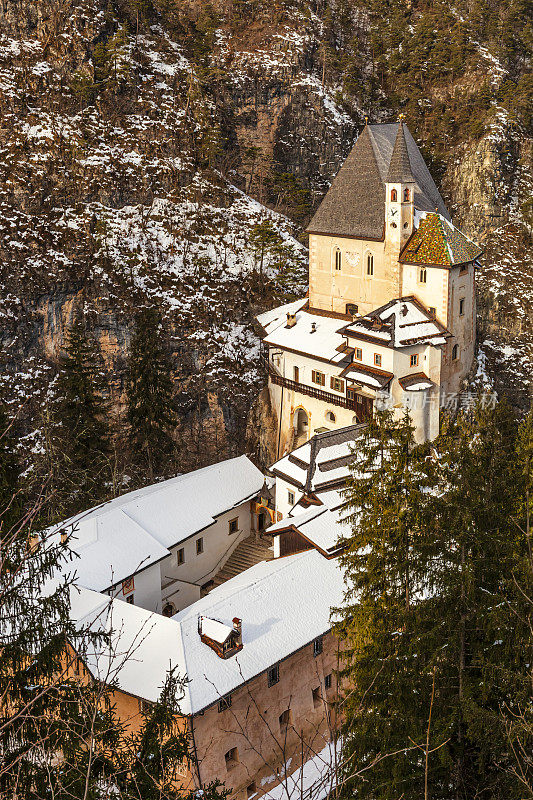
x=161 y=163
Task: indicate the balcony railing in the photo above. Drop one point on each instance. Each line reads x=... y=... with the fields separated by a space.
x=311 y=391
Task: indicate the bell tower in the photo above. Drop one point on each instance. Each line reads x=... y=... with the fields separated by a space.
x=399 y=200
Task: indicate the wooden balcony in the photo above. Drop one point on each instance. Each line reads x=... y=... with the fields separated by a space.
x=362 y=409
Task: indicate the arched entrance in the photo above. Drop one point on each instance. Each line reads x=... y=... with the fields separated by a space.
x=301 y=426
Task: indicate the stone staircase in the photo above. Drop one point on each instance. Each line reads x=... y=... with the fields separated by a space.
x=247 y=553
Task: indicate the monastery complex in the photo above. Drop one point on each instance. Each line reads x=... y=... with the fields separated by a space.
x=229 y=575
x=390 y=313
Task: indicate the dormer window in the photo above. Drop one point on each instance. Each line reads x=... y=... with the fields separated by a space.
x=394 y=196
x=226 y=641
x=406 y=195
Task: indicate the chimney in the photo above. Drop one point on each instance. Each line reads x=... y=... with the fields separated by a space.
x=313 y=327
x=291 y=320
x=237 y=627
x=405 y=310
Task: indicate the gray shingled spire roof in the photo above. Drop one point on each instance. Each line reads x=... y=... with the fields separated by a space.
x=355 y=203
x=400 y=165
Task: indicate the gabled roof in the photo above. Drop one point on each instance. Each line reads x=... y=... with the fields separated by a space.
x=399 y=323
x=284 y=604
x=355 y=203
x=322 y=462
x=437 y=242
x=314 y=334
x=117 y=539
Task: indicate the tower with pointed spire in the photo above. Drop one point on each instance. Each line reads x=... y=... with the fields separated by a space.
x=391 y=304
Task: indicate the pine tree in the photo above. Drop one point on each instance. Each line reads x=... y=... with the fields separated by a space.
x=151 y=399
x=464 y=648
x=10 y=490
x=79 y=438
x=152 y=758
x=384 y=561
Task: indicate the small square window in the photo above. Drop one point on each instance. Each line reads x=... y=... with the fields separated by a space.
x=181 y=556
x=251 y=790
x=130 y=599
x=377 y=359
x=290 y=498
x=273 y=675
x=231 y=757
x=285 y=719
x=199 y=545
x=433 y=311
x=461 y=306
x=463 y=269
x=318 y=646
x=414 y=360
x=358 y=355
x=224 y=703
x=233 y=525
x=318 y=377
x=317 y=698
x=327 y=681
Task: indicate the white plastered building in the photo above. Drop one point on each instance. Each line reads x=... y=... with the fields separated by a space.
x=390 y=312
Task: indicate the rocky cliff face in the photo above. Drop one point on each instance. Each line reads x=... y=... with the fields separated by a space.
x=140 y=145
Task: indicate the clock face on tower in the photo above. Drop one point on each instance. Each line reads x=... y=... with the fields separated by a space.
x=393 y=215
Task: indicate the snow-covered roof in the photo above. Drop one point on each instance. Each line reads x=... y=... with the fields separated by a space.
x=313 y=334
x=320 y=525
x=284 y=605
x=118 y=538
x=415 y=383
x=272 y=319
x=399 y=323
x=214 y=629
x=321 y=462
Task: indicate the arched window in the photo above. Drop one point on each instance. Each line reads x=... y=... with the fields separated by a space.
x=338 y=259
x=455 y=352
x=422 y=275
x=330 y=416
x=370 y=264
x=352 y=308
x=393 y=196
x=406 y=195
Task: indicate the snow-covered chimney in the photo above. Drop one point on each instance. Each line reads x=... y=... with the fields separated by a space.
x=313 y=327
x=291 y=320
x=237 y=627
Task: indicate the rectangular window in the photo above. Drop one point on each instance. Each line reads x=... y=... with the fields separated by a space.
x=273 y=675
x=358 y=355
x=181 y=556
x=337 y=384
x=422 y=275
x=285 y=719
x=370 y=264
x=318 y=646
x=414 y=360
x=377 y=359
x=199 y=546
x=318 y=377
x=231 y=757
x=296 y=374
x=338 y=260
x=433 y=311
x=461 y=306
x=463 y=269
x=233 y=525
x=290 y=498
x=316 y=697
x=224 y=703
x=327 y=681
x=130 y=599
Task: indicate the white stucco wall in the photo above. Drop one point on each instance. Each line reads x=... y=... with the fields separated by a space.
x=146 y=591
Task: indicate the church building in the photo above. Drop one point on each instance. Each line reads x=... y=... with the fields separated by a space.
x=390 y=313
